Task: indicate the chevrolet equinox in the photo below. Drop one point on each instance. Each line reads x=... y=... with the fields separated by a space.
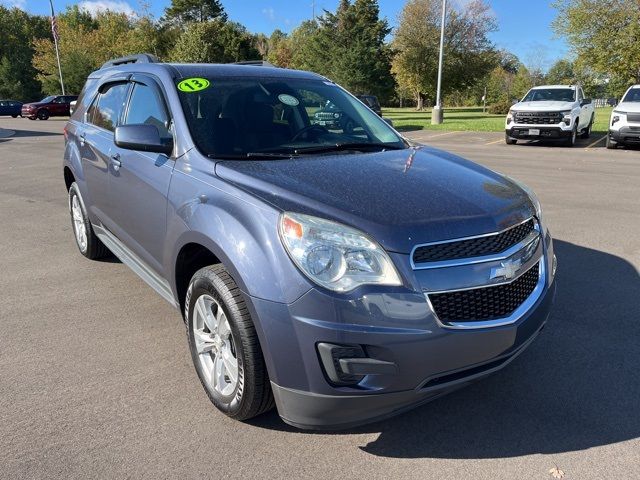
x=341 y=275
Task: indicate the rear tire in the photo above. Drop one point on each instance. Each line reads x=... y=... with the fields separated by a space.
x=86 y=240
x=224 y=345
x=508 y=140
x=43 y=114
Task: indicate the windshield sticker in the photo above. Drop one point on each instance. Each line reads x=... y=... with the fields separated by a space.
x=289 y=100
x=195 y=84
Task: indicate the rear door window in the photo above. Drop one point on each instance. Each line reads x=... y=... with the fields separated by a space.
x=106 y=109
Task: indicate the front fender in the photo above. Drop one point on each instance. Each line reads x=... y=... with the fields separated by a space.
x=242 y=234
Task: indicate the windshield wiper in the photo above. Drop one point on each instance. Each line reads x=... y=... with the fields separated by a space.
x=337 y=147
x=253 y=155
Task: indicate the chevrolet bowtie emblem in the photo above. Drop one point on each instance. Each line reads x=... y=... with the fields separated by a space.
x=506 y=270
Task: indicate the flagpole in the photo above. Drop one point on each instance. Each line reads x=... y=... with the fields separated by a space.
x=55 y=41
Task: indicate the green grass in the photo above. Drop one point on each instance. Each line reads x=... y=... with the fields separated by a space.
x=466 y=119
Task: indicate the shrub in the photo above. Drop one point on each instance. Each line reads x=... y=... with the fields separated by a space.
x=500 y=108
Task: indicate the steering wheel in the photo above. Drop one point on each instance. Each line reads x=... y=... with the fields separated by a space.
x=308 y=129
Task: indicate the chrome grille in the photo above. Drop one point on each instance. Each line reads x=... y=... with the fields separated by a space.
x=474 y=247
x=485 y=303
x=538 y=118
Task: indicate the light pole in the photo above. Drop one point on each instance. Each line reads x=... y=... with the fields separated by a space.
x=54 y=32
x=436 y=116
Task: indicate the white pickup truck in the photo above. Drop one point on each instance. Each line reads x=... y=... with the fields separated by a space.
x=624 y=127
x=550 y=112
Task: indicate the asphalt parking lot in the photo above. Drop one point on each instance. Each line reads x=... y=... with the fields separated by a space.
x=96 y=380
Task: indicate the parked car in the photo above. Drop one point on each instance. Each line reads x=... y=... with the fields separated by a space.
x=342 y=279
x=51 y=106
x=332 y=117
x=10 y=107
x=624 y=127
x=551 y=112
x=372 y=102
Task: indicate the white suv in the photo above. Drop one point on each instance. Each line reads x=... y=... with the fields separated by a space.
x=624 y=127
x=550 y=112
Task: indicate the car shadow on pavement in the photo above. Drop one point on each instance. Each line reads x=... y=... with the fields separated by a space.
x=34 y=133
x=577 y=386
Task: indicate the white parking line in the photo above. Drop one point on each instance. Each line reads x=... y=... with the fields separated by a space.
x=596 y=142
x=441 y=135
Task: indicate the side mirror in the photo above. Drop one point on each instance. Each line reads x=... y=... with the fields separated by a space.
x=585 y=101
x=145 y=138
x=514 y=101
x=389 y=121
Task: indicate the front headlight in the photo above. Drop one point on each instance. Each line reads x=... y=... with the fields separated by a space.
x=335 y=256
x=534 y=200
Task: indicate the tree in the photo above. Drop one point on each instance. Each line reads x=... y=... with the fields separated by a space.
x=214 y=41
x=348 y=46
x=183 y=12
x=604 y=36
x=83 y=49
x=468 y=53
x=561 y=73
x=17 y=74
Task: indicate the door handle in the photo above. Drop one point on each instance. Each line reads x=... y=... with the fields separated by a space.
x=81 y=137
x=115 y=161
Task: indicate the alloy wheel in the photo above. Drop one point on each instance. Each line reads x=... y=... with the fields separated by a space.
x=79 y=226
x=215 y=346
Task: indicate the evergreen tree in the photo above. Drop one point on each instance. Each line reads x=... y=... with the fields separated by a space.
x=182 y=12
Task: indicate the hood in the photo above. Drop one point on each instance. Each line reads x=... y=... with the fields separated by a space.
x=401 y=198
x=629 y=107
x=35 y=104
x=542 y=106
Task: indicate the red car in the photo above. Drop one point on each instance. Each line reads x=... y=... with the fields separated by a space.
x=52 y=106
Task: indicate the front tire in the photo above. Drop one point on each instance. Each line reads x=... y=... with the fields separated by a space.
x=86 y=240
x=587 y=131
x=43 y=114
x=224 y=345
x=14 y=116
x=508 y=140
x=611 y=144
x=571 y=141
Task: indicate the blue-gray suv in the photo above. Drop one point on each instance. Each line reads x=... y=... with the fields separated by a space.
x=344 y=276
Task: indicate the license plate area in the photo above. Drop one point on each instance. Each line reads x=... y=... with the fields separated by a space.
x=534 y=132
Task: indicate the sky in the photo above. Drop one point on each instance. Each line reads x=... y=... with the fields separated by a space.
x=523 y=26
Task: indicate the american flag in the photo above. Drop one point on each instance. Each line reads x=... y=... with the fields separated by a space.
x=54 y=28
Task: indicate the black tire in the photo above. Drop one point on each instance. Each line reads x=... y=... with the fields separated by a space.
x=571 y=140
x=508 y=140
x=252 y=394
x=586 y=133
x=94 y=248
x=43 y=114
x=14 y=116
x=611 y=144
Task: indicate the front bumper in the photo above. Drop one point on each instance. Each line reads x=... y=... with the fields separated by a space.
x=545 y=132
x=626 y=135
x=395 y=326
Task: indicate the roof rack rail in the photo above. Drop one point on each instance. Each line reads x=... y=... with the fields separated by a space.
x=138 y=58
x=257 y=63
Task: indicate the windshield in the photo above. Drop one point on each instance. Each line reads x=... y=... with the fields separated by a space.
x=550 y=94
x=47 y=99
x=245 y=117
x=633 y=95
